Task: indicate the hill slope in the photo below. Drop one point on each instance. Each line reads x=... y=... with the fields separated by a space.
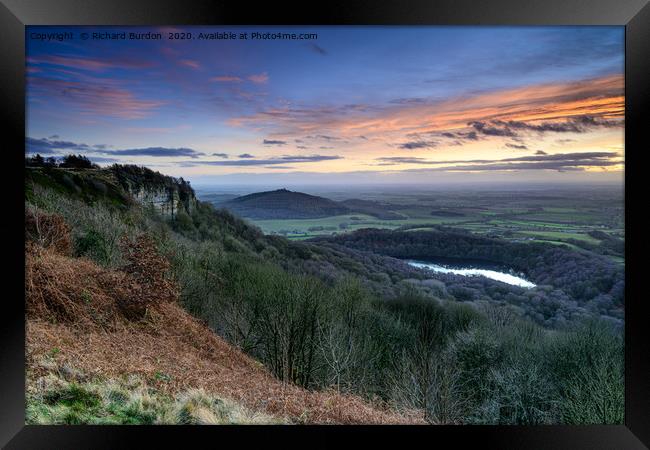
x=284 y=204
x=138 y=315
x=88 y=325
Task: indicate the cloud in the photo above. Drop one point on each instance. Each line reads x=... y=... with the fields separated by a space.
x=154 y=152
x=578 y=124
x=274 y=142
x=468 y=135
x=390 y=160
x=318 y=49
x=246 y=155
x=89 y=64
x=220 y=155
x=565 y=156
x=418 y=144
x=49 y=146
x=484 y=128
x=261 y=78
x=544 y=165
x=556 y=127
x=541 y=152
x=99 y=97
x=226 y=79
x=281 y=160
x=557 y=102
x=517 y=146
x=323 y=137
x=539 y=161
x=190 y=63
x=513 y=128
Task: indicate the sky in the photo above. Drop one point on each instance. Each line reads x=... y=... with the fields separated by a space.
x=350 y=105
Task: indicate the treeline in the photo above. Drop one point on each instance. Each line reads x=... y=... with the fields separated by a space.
x=67 y=162
x=589 y=281
x=457 y=362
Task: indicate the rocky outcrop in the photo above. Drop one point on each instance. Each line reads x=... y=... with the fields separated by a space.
x=164 y=194
x=163 y=200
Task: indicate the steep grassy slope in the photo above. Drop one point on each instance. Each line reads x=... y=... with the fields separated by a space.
x=92 y=332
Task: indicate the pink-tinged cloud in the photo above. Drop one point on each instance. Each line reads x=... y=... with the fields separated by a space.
x=89 y=64
x=226 y=79
x=190 y=63
x=261 y=78
x=98 y=99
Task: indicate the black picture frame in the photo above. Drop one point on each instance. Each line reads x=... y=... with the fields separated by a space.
x=16 y=14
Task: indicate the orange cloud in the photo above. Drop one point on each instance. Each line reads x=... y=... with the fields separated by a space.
x=601 y=97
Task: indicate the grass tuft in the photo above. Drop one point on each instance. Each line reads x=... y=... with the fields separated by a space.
x=53 y=400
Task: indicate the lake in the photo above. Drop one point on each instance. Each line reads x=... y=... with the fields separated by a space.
x=460 y=269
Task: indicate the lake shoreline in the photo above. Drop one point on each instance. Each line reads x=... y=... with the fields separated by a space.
x=465 y=269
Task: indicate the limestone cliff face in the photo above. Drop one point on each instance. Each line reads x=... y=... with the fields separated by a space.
x=165 y=201
x=165 y=195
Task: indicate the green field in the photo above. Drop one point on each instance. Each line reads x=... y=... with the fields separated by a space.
x=561 y=235
x=305 y=228
x=551 y=216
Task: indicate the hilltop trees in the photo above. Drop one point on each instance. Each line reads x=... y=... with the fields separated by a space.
x=77 y=162
x=38 y=161
x=68 y=162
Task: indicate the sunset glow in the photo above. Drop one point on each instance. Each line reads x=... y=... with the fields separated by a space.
x=373 y=101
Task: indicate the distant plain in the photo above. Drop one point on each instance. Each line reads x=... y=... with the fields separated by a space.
x=575 y=217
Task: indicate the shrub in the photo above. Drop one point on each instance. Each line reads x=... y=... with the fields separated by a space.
x=476 y=351
x=183 y=222
x=95 y=229
x=587 y=367
x=94 y=245
x=57 y=288
x=596 y=394
x=522 y=395
x=47 y=230
x=149 y=279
